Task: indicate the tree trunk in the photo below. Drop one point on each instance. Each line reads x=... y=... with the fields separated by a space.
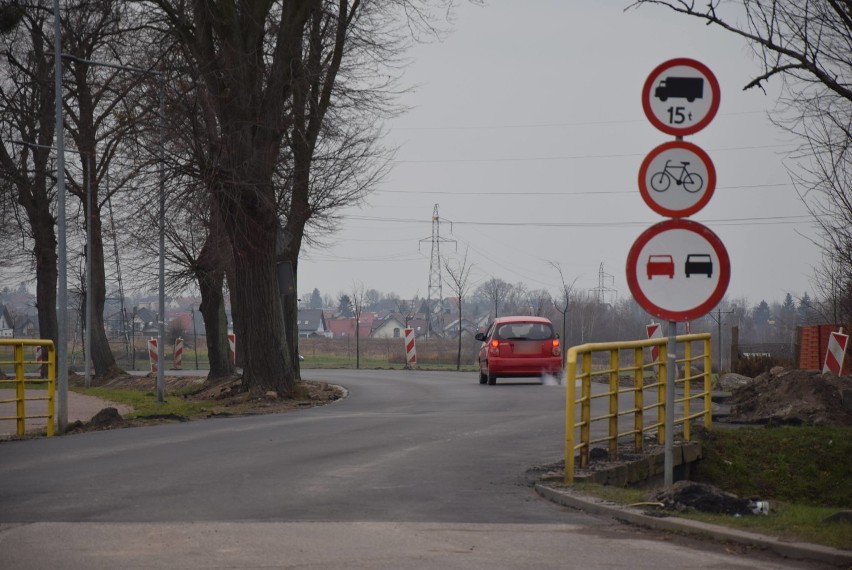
x=210 y=274
x=458 y=354
x=102 y=357
x=251 y=224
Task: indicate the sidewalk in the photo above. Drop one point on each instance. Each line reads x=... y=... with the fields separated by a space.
x=80 y=407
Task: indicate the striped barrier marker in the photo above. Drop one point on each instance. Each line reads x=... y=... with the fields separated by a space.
x=836 y=352
x=654 y=331
x=152 y=353
x=232 y=344
x=410 y=351
x=178 y=353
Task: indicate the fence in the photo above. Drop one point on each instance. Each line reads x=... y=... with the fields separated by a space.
x=21 y=380
x=642 y=377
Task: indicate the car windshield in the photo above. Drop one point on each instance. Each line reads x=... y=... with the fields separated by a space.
x=524 y=331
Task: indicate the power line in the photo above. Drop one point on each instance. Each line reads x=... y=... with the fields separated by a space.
x=551 y=125
x=767 y=220
x=558 y=193
x=571 y=157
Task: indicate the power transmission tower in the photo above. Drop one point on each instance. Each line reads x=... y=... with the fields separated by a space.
x=436 y=317
x=601 y=291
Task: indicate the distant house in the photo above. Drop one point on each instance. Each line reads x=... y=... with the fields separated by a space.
x=7 y=325
x=27 y=329
x=145 y=321
x=312 y=323
x=345 y=327
x=393 y=326
x=452 y=329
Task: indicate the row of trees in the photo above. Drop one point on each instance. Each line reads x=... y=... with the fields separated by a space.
x=269 y=124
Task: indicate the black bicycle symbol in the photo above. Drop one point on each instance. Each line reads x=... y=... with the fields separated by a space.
x=691 y=181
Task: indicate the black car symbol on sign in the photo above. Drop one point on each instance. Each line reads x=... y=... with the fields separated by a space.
x=698 y=263
x=689 y=88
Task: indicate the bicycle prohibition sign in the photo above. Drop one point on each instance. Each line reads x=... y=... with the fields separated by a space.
x=691 y=181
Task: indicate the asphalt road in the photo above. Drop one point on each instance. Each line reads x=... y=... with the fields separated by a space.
x=412 y=470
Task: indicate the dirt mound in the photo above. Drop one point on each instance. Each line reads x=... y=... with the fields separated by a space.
x=795 y=397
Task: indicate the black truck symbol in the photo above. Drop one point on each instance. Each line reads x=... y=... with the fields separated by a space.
x=689 y=88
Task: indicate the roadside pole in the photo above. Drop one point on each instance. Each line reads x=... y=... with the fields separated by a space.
x=671 y=374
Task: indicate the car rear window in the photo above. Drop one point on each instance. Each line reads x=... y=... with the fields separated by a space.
x=524 y=331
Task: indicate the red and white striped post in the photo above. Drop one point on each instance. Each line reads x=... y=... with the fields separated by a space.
x=152 y=353
x=836 y=353
x=410 y=351
x=178 y=353
x=654 y=331
x=232 y=344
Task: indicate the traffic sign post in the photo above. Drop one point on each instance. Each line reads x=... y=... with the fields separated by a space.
x=678 y=269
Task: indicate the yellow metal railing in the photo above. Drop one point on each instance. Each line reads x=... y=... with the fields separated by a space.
x=636 y=371
x=21 y=381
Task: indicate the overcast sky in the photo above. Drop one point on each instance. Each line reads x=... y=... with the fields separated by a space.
x=527 y=131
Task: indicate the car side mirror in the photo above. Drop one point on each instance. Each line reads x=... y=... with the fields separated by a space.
x=479 y=336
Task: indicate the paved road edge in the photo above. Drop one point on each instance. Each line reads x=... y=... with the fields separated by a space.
x=793 y=550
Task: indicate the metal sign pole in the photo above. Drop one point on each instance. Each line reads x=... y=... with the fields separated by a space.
x=671 y=357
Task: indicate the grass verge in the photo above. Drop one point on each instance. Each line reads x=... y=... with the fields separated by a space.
x=804 y=472
x=145 y=404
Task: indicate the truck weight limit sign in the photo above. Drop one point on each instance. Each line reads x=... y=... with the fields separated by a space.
x=681 y=96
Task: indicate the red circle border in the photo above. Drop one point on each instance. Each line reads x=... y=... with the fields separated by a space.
x=711 y=179
x=649 y=84
x=703 y=308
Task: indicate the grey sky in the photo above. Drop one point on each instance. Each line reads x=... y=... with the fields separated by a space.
x=528 y=132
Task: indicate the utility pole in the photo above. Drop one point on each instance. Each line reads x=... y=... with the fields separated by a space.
x=718 y=318
x=435 y=290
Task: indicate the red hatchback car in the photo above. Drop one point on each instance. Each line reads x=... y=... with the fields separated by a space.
x=518 y=347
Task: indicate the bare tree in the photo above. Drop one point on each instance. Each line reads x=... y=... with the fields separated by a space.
x=27 y=116
x=357 y=299
x=459 y=274
x=271 y=75
x=805 y=44
x=562 y=305
x=494 y=291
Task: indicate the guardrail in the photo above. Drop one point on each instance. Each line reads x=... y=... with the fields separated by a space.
x=637 y=369
x=21 y=381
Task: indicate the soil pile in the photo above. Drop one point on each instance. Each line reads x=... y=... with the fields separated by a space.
x=794 y=397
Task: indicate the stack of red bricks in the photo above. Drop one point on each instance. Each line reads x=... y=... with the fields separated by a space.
x=813 y=343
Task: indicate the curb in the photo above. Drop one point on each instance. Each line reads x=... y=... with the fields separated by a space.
x=792 y=550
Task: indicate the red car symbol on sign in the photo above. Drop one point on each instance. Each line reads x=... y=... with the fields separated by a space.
x=660 y=265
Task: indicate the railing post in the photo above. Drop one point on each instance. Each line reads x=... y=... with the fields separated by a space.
x=20 y=393
x=708 y=383
x=639 y=399
x=586 y=409
x=571 y=403
x=612 y=442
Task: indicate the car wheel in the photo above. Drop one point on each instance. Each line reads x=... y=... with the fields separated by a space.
x=482 y=377
x=491 y=379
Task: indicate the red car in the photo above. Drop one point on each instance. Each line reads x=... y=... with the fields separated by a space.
x=520 y=346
